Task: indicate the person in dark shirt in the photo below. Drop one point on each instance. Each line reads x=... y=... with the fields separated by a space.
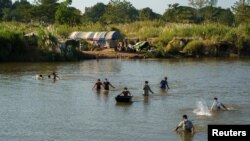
x=55 y=76
x=147 y=89
x=98 y=85
x=125 y=92
x=106 y=84
x=164 y=83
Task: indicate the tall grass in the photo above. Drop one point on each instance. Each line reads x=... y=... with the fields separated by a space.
x=159 y=33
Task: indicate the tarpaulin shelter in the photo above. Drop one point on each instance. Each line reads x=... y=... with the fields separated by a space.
x=113 y=35
x=99 y=35
x=107 y=39
x=73 y=35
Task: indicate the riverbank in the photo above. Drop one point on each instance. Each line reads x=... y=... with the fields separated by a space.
x=110 y=53
x=170 y=41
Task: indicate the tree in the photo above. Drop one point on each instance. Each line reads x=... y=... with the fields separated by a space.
x=213 y=3
x=124 y=12
x=21 y=11
x=66 y=14
x=95 y=13
x=198 y=4
x=217 y=15
x=44 y=10
x=242 y=10
x=244 y=1
x=147 y=14
x=4 y=4
x=180 y=14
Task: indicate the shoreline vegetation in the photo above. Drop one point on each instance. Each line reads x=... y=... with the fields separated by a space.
x=37 y=32
x=169 y=41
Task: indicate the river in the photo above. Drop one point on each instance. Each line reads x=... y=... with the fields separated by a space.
x=69 y=110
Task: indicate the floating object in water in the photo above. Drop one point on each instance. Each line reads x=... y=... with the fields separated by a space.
x=126 y=99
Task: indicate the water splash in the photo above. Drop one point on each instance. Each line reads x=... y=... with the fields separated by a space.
x=202 y=109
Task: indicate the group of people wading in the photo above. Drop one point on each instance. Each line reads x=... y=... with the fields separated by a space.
x=53 y=76
x=185 y=124
x=98 y=85
x=146 y=88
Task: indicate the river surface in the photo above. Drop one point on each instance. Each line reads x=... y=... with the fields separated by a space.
x=69 y=110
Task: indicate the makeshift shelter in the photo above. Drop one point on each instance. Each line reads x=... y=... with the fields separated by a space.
x=73 y=35
x=113 y=35
x=141 y=45
x=111 y=38
x=104 y=39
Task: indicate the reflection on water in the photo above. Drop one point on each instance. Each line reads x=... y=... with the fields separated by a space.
x=185 y=136
x=69 y=110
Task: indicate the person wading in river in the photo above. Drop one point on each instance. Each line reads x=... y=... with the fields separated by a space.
x=106 y=84
x=217 y=105
x=186 y=125
x=147 y=89
x=98 y=85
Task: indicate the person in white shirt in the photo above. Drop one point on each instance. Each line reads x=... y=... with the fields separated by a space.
x=217 y=105
x=186 y=125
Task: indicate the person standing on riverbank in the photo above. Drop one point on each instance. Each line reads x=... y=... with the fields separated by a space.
x=147 y=89
x=106 y=84
x=164 y=83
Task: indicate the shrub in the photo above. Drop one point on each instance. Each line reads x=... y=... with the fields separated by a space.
x=174 y=47
x=156 y=53
x=11 y=45
x=194 y=47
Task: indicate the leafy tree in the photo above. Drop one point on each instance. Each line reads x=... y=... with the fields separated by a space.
x=21 y=11
x=244 y=1
x=45 y=10
x=198 y=4
x=180 y=14
x=66 y=14
x=4 y=4
x=7 y=14
x=242 y=10
x=217 y=15
x=75 y=17
x=124 y=12
x=213 y=3
x=95 y=13
x=147 y=14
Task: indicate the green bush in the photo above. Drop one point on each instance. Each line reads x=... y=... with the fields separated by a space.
x=157 y=53
x=194 y=47
x=174 y=47
x=11 y=45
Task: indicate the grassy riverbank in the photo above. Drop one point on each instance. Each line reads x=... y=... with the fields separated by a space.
x=185 y=40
